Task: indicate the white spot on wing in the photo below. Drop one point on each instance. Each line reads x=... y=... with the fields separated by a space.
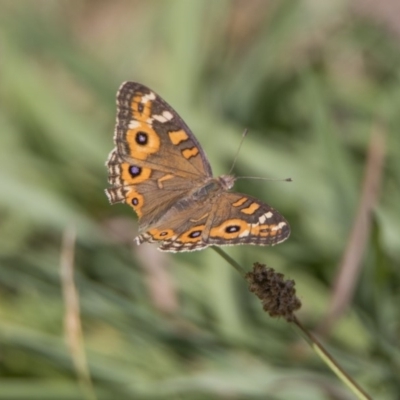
x=265 y=216
x=167 y=115
x=245 y=233
x=279 y=226
x=134 y=124
x=160 y=118
x=164 y=117
x=147 y=97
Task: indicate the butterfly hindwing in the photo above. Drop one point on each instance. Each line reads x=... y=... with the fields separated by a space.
x=242 y=219
x=233 y=219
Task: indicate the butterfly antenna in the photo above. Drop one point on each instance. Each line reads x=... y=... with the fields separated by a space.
x=265 y=179
x=244 y=134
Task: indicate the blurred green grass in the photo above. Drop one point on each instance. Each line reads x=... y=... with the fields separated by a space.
x=309 y=81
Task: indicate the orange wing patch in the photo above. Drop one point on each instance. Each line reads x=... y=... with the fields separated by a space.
x=189 y=153
x=240 y=202
x=162 y=234
x=141 y=106
x=177 y=137
x=192 y=235
x=135 y=200
x=142 y=140
x=231 y=229
x=132 y=174
x=251 y=209
x=163 y=178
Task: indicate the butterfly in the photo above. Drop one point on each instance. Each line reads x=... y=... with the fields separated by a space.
x=159 y=168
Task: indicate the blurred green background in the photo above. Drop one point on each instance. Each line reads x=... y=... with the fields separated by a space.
x=311 y=80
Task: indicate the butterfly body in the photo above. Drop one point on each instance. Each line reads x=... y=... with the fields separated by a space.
x=159 y=168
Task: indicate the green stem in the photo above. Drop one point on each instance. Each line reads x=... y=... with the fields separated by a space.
x=331 y=362
x=230 y=260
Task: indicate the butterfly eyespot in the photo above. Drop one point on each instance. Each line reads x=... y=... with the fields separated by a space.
x=142 y=138
x=134 y=170
x=161 y=235
x=194 y=234
x=232 y=229
x=140 y=107
x=135 y=201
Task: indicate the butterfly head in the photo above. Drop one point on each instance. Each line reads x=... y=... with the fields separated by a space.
x=226 y=181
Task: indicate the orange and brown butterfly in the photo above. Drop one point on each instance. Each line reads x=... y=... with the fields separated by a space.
x=159 y=168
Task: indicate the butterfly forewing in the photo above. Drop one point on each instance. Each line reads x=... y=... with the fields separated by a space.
x=151 y=131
